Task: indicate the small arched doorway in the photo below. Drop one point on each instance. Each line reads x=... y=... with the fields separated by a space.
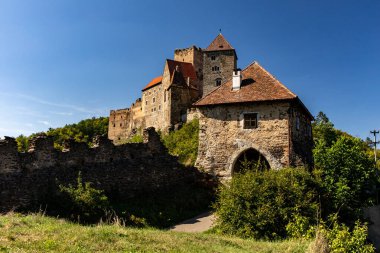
x=250 y=159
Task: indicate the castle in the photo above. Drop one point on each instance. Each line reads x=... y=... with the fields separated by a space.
x=243 y=113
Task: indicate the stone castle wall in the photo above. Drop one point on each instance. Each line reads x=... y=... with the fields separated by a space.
x=28 y=179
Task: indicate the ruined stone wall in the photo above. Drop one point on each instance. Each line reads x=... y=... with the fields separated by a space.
x=137 y=122
x=225 y=60
x=222 y=137
x=118 y=124
x=28 y=179
x=124 y=123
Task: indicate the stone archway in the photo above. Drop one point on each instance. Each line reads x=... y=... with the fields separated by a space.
x=250 y=159
x=242 y=146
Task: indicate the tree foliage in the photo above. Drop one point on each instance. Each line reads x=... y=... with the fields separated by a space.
x=184 y=142
x=83 y=131
x=348 y=173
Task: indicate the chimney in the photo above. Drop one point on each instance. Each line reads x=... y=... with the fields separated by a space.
x=236 y=79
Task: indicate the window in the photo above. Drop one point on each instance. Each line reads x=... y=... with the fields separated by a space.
x=146 y=102
x=215 y=68
x=154 y=100
x=250 y=120
x=165 y=96
x=121 y=124
x=213 y=58
x=218 y=81
x=114 y=125
x=159 y=107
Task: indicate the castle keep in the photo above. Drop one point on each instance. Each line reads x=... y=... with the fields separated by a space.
x=243 y=114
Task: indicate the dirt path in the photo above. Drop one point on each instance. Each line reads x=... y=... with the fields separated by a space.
x=199 y=223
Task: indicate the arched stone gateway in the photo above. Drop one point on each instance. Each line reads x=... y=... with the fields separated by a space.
x=250 y=159
x=251 y=152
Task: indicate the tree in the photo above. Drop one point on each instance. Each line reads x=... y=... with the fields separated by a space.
x=323 y=130
x=348 y=175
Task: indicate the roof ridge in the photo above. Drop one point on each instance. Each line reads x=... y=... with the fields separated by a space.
x=280 y=83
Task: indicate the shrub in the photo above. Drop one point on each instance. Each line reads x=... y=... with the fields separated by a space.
x=268 y=204
x=184 y=142
x=137 y=138
x=84 y=202
x=340 y=239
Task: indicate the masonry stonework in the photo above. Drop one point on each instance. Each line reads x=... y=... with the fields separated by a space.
x=206 y=84
x=29 y=179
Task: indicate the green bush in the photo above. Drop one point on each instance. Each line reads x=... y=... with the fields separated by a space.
x=84 y=202
x=137 y=138
x=349 y=177
x=341 y=239
x=184 y=142
x=269 y=204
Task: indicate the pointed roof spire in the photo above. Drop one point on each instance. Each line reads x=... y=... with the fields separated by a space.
x=219 y=43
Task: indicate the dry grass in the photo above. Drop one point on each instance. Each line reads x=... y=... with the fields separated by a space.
x=37 y=233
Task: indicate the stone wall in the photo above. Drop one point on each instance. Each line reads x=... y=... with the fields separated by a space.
x=225 y=60
x=301 y=144
x=153 y=100
x=117 y=125
x=28 y=179
x=222 y=137
x=124 y=123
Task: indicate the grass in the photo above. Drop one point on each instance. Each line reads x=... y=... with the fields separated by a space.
x=37 y=233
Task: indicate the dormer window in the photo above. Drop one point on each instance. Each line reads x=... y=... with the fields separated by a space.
x=215 y=68
x=218 y=81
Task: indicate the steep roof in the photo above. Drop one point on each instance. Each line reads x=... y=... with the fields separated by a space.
x=219 y=43
x=257 y=85
x=185 y=68
x=155 y=81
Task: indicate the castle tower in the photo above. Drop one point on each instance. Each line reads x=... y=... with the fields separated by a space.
x=193 y=55
x=219 y=62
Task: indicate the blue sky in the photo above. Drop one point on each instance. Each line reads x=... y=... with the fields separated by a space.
x=66 y=60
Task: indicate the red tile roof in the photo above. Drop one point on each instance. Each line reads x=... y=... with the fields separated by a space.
x=185 y=68
x=219 y=43
x=154 y=82
x=257 y=85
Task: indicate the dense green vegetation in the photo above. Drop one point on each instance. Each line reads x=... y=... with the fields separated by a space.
x=292 y=202
x=36 y=233
x=83 y=131
x=184 y=142
x=262 y=205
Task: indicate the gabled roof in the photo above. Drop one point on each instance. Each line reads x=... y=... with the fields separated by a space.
x=257 y=85
x=185 y=68
x=219 y=43
x=155 y=81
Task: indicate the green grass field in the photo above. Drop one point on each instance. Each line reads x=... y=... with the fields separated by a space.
x=37 y=233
